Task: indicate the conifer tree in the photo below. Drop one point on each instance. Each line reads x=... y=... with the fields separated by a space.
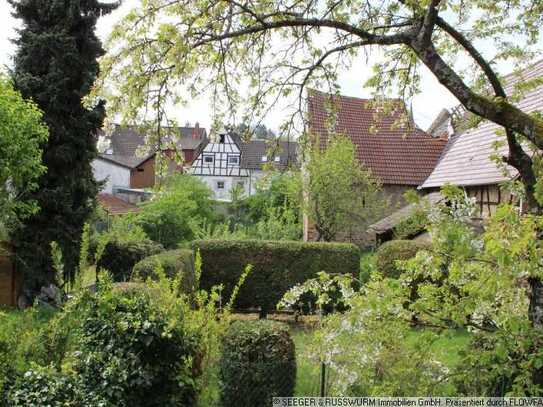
x=55 y=66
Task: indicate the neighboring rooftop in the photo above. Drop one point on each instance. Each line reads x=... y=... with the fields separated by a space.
x=125 y=142
x=114 y=205
x=467 y=159
x=389 y=144
x=394 y=219
x=282 y=154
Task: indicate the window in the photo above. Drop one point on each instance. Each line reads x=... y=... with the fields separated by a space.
x=220 y=184
x=277 y=159
x=241 y=184
x=221 y=138
x=233 y=159
x=208 y=159
x=141 y=169
x=264 y=158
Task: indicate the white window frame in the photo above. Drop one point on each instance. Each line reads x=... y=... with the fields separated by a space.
x=234 y=157
x=208 y=156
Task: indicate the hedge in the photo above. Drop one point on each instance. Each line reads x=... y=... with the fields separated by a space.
x=174 y=263
x=277 y=267
x=258 y=362
x=390 y=252
x=120 y=257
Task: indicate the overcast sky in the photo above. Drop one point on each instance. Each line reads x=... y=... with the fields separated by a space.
x=425 y=106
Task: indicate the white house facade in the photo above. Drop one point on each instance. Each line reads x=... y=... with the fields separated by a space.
x=227 y=163
x=113 y=173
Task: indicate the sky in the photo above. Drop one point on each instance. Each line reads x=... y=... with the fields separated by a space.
x=426 y=106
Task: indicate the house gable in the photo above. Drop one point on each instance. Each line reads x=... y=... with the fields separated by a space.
x=222 y=158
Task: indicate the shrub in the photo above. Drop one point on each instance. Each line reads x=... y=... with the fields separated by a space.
x=390 y=252
x=277 y=267
x=47 y=387
x=174 y=263
x=258 y=363
x=170 y=217
x=132 y=351
x=120 y=256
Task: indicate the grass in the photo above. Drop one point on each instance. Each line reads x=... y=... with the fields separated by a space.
x=307 y=370
x=446 y=350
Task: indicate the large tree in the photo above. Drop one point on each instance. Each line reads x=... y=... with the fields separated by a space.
x=55 y=66
x=267 y=50
x=340 y=193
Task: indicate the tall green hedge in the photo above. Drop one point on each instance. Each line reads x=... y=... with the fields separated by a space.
x=277 y=267
x=174 y=263
x=120 y=257
x=258 y=362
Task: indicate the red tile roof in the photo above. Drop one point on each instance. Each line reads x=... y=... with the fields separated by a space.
x=114 y=205
x=396 y=153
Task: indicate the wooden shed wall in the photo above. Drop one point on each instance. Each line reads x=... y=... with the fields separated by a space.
x=9 y=280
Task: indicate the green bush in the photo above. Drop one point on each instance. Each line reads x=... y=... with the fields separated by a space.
x=47 y=387
x=390 y=252
x=277 y=267
x=174 y=263
x=172 y=215
x=120 y=256
x=112 y=348
x=132 y=352
x=258 y=362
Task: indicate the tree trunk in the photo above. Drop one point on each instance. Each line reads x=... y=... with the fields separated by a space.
x=535 y=310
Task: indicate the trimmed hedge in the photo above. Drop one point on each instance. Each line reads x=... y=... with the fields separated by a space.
x=389 y=252
x=174 y=263
x=258 y=362
x=120 y=257
x=277 y=267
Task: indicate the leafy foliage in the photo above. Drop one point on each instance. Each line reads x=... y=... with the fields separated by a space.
x=119 y=257
x=60 y=35
x=389 y=253
x=273 y=212
x=258 y=363
x=173 y=263
x=340 y=191
x=277 y=266
x=22 y=134
x=171 y=217
x=130 y=347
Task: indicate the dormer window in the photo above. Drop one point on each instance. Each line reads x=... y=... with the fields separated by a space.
x=264 y=158
x=221 y=138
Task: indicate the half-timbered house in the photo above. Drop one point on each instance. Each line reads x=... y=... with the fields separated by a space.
x=227 y=162
x=468 y=159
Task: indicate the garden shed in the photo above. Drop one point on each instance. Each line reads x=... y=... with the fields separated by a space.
x=9 y=280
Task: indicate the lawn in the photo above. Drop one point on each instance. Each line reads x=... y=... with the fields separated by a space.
x=446 y=349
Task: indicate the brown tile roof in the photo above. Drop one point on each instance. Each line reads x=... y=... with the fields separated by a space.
x=396 y=153
x=125 y=141
x=467 y=157
x=253 y=151
x=114 y=205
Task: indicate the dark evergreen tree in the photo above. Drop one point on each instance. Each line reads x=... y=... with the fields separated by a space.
x=56 y=65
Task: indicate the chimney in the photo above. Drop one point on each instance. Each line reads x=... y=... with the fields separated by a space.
x=196 y=131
